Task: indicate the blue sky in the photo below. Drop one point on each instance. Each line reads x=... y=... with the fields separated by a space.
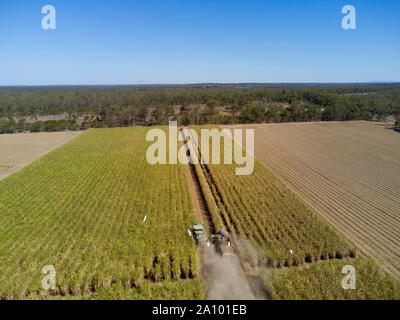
x=138 y=42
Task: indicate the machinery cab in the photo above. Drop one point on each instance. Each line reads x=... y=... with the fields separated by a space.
x=222 y=243
x=198 y=231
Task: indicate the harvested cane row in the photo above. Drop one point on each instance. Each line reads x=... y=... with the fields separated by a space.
x=81 y=209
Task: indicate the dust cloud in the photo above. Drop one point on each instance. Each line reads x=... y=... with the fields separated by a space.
x=224 y=277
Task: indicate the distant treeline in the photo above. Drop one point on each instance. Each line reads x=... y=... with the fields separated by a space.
x=110 y=106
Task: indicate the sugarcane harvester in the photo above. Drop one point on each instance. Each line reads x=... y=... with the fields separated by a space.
x=220 y=240
x=198 y=232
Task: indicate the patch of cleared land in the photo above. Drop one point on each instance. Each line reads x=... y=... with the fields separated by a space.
x=347 y=171
x=18 y=150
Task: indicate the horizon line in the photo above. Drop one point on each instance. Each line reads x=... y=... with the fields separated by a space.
x=202 y=84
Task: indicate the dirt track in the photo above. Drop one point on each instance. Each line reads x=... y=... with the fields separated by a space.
x=18 y=150
x=222 y=276
x=349 y=172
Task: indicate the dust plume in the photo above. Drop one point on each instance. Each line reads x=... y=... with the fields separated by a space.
x=225 y=278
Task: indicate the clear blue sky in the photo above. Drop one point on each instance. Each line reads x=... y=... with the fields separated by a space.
x=187 y=41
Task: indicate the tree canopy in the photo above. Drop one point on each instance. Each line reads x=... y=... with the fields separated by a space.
x=110 y=106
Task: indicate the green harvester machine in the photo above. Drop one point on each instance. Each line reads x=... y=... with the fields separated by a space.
x=198 y=232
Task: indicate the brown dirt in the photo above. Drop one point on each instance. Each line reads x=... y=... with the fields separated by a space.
x=349 y=172
x=20 y=149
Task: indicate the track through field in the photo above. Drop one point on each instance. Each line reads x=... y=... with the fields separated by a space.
x=223 y=277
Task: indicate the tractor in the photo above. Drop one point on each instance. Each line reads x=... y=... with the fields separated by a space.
x=220 y=240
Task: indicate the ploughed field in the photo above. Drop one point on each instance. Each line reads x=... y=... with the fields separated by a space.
x=81 y=208
x=349 y=172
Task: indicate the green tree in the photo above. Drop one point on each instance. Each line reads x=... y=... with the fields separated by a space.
x=253 y=113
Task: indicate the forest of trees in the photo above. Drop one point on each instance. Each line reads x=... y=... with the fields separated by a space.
x=111 y=106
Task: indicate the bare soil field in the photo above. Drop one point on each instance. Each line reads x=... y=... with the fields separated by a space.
x=18 y=150
x=349 y=172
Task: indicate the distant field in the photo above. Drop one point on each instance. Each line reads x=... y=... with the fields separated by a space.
x=349 y=172
x=18 y=150
x=81 y=208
